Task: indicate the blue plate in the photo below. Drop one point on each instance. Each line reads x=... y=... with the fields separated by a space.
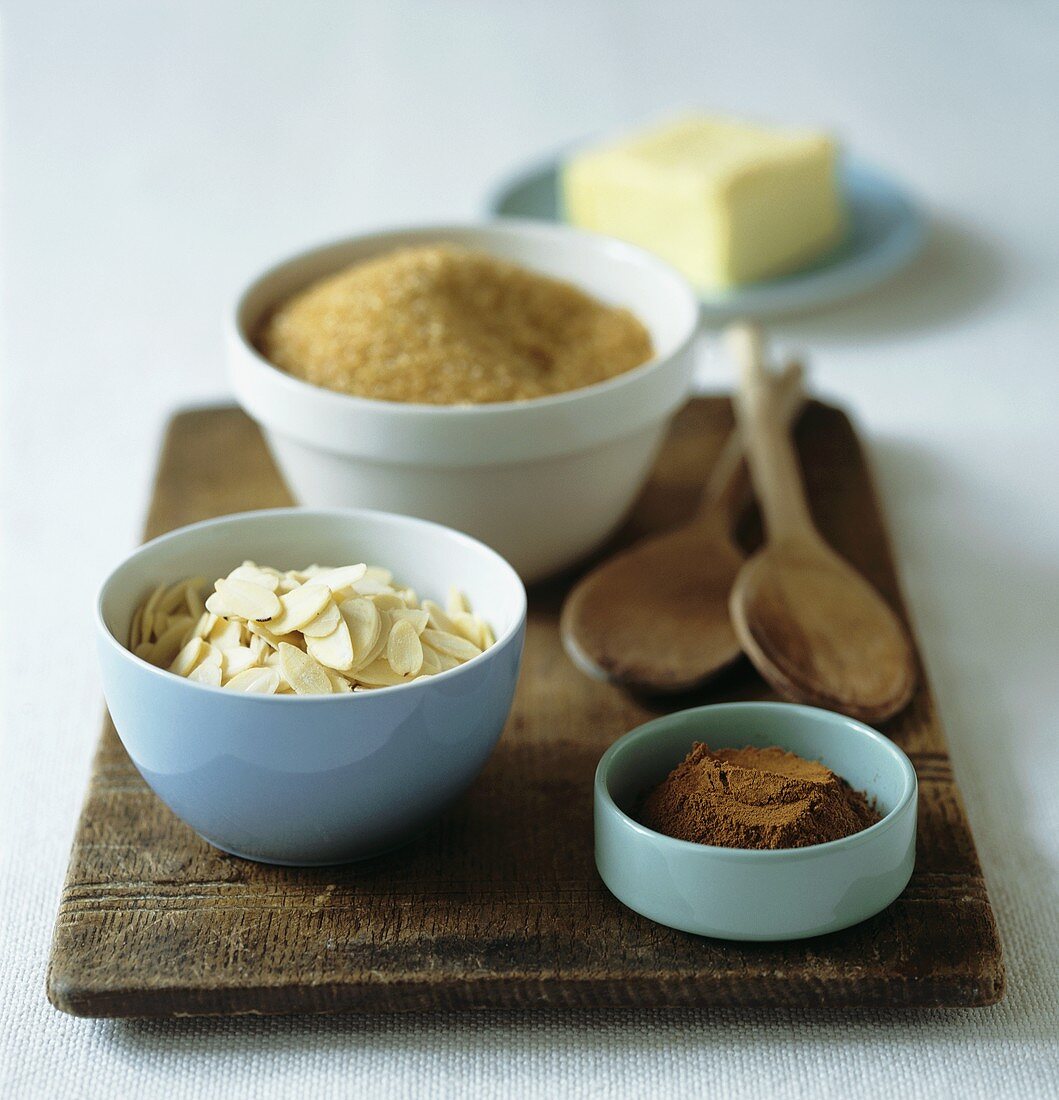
x=886 y=231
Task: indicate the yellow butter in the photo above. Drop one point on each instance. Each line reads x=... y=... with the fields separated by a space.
x=726 y=202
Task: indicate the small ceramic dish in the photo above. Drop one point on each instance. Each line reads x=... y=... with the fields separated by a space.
x=543 y=481
x=886 y=232
x=313 y=779
x=738 y=894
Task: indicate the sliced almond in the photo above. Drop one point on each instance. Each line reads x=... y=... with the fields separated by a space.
x=404 y=650
x=324 y=623
x=300 y=606
x=147 y=624
x=181 y=619
x=136 y=627
x=306 y=675
x=379 y=648
x=380 y=674
x=254 y=574
x=206 y=672
x=189 y=657
x=431 y=665
x=264 y=635
x=335 y=649
x=414 y=615
x=468 y=626
x=388 y=601
x=216 y=605
x=439 y=619
x=193 y=597
x=261 y=630
x=367 y=586
x=207 y=621
x=457 y=603
x=237 y=661
x=172 y=598
x=243 y=600
x=451 y=645
x=257 y=681
x=339 y=684
x=260 y=648
x=171 y=641
x=445 y=661
x=365 y=622
x=340 y=579
x=226 y=634
x=210 y=668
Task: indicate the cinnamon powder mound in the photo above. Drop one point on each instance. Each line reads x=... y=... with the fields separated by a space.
x=755 y=798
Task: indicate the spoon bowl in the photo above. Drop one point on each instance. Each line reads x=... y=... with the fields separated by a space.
x=820 y=633
x=813 y=627
x=675 y=631
x=655 y=618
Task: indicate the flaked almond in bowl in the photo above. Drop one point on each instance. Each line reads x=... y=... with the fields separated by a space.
x=310 y=714
x=320 y=630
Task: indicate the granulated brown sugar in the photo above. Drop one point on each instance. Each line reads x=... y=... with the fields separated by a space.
x=445 y=325
x=755 y=798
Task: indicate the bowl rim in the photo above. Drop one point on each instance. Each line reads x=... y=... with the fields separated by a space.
x=525 y=226
x=643 y=732
x=502 y=642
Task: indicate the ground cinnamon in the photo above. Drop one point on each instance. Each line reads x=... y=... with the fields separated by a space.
x=755 y=798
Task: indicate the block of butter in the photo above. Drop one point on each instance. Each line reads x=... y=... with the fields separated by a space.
x=727 y=203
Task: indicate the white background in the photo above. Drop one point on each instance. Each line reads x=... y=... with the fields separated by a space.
x=155 y=153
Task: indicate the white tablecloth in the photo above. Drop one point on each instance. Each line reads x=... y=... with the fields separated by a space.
x=155 y=153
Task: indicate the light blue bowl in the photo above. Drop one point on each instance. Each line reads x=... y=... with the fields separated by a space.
x=738 y=894
x=313 y=780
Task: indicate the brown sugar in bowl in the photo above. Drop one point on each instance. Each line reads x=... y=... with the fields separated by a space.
x=542 y=481
x=446 y=325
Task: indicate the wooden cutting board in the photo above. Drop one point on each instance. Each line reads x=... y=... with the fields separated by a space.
x=499 y=904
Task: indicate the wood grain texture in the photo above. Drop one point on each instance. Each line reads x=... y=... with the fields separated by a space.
x=499 y=904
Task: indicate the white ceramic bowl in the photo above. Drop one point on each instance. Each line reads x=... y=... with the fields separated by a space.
x=543 y=481
x=312 y=779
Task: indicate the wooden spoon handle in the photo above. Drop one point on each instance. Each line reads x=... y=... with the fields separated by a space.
x=728 y=490
x=774 y=468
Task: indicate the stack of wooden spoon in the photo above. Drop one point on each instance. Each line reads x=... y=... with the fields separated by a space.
x=812 y=626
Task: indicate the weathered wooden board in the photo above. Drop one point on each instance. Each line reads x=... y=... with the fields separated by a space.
x=499 y=904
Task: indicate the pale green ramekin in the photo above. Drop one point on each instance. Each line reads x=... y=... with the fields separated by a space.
x=739 y=894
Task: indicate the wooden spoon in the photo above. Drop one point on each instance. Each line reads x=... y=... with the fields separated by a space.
x=655 y=617
x=812 y=625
